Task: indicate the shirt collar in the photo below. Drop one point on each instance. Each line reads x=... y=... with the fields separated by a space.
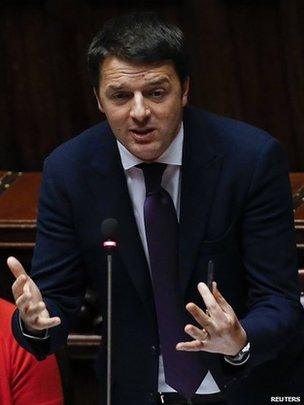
x=171 y=156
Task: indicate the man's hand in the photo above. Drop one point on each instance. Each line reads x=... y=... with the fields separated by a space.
x=222 y=331
x=29 y=300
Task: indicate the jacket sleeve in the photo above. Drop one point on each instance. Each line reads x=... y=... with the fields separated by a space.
x=269 y=256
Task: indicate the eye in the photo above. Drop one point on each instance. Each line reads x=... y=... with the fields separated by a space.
x=157 y=94
x=121 y=96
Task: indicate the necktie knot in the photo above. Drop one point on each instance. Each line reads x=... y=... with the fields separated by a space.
x=153 y=173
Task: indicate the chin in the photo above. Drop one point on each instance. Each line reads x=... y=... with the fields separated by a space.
x=147 y=156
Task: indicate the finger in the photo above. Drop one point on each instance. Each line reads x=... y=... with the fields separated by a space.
x=41 y=323
x=193 y=346
x=221 y=300
x=23 y=302
x=35 y=309
x=26 y=288
x=18 y=286
x=213 y=308
x=196 y=333
x=24 y=284
x=199 y=315
x=15 y=266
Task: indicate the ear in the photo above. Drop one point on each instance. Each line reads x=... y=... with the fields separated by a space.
x=185 y=91
x=99 y=103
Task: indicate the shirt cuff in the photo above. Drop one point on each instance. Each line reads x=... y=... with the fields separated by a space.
x=26 y=333
x=241 y=358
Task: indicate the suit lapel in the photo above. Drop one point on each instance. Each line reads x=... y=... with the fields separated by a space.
x=200 y=172
x=107 y=181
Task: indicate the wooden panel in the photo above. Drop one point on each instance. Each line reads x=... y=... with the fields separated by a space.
x=297 y=182
x=18 y=211
x=19 y=202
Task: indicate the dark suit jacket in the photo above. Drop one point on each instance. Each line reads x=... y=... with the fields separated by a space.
x=236 y=209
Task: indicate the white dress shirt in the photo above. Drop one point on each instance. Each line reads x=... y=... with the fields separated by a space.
x=171 y=181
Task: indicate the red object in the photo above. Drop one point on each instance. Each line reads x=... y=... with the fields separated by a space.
x=23 y=379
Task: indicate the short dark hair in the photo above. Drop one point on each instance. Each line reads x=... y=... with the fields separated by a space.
x=142 y=37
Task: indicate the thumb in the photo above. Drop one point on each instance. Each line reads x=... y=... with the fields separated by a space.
x=15 y=267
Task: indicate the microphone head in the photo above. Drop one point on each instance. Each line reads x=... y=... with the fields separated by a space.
x=109 y=229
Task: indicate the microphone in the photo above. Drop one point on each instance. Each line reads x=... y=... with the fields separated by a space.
x=109 y=232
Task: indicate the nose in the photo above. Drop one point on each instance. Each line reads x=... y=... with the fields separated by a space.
x=139 y=111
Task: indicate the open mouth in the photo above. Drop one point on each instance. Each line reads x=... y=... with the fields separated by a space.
x=144 y=134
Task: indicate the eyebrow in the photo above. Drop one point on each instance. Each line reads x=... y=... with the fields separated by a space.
x=158 y=82
x=114 y=87
x=122 y=86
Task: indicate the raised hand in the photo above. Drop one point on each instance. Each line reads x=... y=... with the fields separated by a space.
x=29 y=300
x=221 y=330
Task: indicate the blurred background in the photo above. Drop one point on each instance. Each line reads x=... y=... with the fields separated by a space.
x=247 y=63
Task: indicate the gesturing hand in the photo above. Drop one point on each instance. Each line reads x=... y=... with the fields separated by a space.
x=29 y=300
x=221 y=330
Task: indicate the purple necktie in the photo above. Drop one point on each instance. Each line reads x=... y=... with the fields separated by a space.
x=183 y=370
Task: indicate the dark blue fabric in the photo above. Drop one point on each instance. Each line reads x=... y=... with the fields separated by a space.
x=236 y=210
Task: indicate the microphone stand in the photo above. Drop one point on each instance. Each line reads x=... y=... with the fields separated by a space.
x=109 y=246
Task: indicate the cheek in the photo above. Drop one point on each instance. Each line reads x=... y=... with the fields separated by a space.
x=117 y=119
x=173 y=107
x=166 y=113
x=171 y=116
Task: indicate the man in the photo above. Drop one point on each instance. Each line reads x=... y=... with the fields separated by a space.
x=155 y=162
x=23 y=379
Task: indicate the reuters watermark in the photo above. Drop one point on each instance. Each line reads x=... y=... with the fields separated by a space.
x=286 y=399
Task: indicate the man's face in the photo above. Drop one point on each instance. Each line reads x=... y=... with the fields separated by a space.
x=143 y=104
